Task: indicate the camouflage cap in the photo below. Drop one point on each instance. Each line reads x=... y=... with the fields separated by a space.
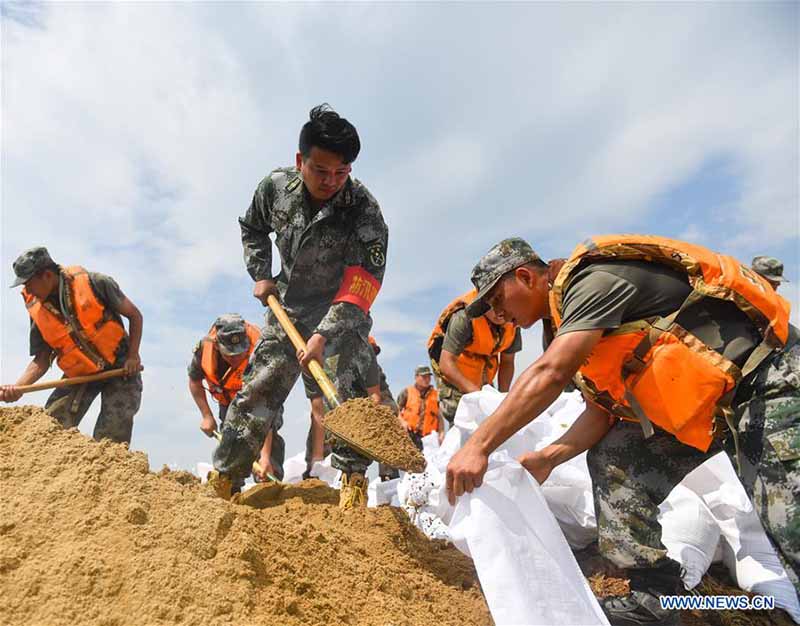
x=769 y=267
x=232 y=336
x=505 y=256
x=423 y=370
x=29 y=263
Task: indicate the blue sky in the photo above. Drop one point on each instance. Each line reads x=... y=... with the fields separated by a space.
x=134 y=134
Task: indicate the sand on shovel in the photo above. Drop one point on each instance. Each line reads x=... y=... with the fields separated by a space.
x=375 y=430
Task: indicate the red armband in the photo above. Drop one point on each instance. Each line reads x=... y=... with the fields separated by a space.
x=359 y=287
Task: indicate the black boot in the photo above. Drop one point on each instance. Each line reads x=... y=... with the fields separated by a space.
x=641 y=605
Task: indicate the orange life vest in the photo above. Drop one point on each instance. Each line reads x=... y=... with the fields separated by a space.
x=657 y=372
x=480 y=359
x=411 y=412
x=224 y=389
x=87 y=340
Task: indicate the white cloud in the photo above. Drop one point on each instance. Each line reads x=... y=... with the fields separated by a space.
x=134 y=135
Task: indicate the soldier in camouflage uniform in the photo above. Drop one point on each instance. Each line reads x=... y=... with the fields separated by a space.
x=770 y=268
x=632 y=474
x=51 y=290
x=332 y=241
x=218 y=362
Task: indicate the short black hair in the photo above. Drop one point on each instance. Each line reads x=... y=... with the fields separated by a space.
x=327 y=130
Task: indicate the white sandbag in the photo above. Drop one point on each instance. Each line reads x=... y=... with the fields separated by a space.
x=382 y=492
x=324 y=471
x=421 y=497
x=689 y=533
x=527 y=571
x=202 y=471
x=747 y=552
x=568 y=491
x=430 y=444
x=372 y=498
x=294 y=467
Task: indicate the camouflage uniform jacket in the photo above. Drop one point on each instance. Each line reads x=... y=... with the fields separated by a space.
x=315 y=249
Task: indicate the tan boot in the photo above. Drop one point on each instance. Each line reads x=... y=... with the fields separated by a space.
x=353 y=492
x=220 y=483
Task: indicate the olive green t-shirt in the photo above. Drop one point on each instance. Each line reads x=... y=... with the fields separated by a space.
x=607 y=294
x=110 y=296
x=459 y=335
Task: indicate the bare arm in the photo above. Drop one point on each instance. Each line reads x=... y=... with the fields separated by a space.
x=449 y=365
x=374 y=393
x=505 y=373
x=590 y=427
x=536 y=389
x=33 y=372
x=208 y=424
x=135 y=323
x=264 y=461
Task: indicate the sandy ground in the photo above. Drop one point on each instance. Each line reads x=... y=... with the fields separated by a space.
x=89 y=535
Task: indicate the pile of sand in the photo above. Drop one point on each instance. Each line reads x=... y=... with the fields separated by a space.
x=89 y=535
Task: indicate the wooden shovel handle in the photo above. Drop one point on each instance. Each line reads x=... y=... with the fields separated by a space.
x=299 y=343
x=75 y=380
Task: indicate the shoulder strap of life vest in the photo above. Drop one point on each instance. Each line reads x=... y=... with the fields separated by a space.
x=67 y=301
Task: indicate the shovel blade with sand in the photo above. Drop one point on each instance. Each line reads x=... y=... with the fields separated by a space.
x=260 y=495
x=352 y=410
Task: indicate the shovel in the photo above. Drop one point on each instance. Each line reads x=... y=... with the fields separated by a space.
x=261 y=494
x=319 y=375
x=75 y=380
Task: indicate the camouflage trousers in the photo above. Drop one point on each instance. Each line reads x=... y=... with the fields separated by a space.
x=631 y=476
x=449 y=397
x=269 y=377
x=120 y=399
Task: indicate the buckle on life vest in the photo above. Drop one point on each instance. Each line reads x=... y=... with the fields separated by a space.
x=634 y=365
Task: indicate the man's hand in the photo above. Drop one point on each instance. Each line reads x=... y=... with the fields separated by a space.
x=208 y=425
x=264 y=288
x=132 y=365
x=538 y=464
x=266 y=468
x=9 y=393
x=315 y=348
x=465 y=471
